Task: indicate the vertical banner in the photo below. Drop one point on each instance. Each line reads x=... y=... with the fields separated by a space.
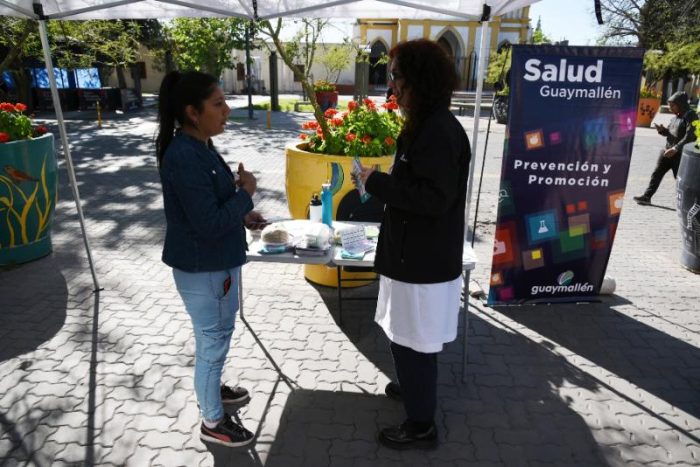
x=571 y=123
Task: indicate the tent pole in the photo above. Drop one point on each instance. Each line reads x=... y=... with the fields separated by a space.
x=477 y=114
x=64 y=141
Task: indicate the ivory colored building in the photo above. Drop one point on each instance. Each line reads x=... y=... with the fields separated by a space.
x=460 y=38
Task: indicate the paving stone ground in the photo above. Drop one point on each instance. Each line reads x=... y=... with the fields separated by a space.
x=106 y=378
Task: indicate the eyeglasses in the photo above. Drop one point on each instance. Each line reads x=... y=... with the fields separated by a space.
x=395 y=76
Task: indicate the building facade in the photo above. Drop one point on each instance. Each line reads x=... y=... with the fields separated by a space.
x=461 y=40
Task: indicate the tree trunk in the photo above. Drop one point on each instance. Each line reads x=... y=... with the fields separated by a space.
x=169 y=62
x=24 y=87
x=121 y=78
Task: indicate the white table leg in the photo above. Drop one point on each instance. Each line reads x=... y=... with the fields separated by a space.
x=465 y=325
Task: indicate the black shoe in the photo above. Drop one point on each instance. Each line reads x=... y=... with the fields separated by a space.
x=643 y=200
x=403 y=437
x=234 y=395
x=226 y=433
x=393 y=391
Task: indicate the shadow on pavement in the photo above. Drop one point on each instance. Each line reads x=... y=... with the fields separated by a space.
x=510 y=410
x=626 y=347
x=31 y=315
x=652 y=205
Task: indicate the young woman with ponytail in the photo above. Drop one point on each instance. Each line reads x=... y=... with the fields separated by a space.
x=206 y=211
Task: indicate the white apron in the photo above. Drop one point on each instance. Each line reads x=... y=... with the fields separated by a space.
x=422 y=317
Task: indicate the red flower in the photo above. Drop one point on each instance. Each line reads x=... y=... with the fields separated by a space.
x=366 y=139
x=41 y=130
x=350 y=137
x=4 y=137
x=391 y=105
x=319 y=133
x=330 y=112
x=369 y=103
x=19 y=107
x=389 y=141
x=352 y=105
x=310 y=125
x=303 y=136
x=7 y=107
x=337 y=121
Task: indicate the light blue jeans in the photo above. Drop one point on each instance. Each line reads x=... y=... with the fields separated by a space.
x=211 y=300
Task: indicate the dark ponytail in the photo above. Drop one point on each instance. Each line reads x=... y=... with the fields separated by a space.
x=177 y=91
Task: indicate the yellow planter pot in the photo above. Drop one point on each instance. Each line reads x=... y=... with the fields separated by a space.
x=306 y=172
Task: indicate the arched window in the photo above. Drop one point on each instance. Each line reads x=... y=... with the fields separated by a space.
x=377 y=72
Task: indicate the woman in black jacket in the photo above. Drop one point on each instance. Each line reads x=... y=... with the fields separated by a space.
x=419 y=255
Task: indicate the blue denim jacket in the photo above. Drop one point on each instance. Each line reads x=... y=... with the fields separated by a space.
x=204 y=210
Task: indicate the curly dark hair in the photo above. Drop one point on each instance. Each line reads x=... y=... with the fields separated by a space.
x=429 y=75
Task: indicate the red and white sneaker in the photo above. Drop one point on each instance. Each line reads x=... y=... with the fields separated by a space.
x=227 y=433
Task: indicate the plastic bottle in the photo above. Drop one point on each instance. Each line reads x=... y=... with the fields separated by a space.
x=327 y=204
x=315 y=209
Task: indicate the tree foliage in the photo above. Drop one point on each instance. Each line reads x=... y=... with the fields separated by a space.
x=668 y=29
x=301 y=48
x=204 y=44
x=95 y=43
x=650 y=24
x=336 y=59
x=538 y=36
x=498 y=69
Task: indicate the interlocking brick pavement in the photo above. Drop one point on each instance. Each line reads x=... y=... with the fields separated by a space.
x=106 y=379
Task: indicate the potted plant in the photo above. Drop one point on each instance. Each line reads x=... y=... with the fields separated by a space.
x=365 y=130
x=649 y=103
x=326 y=94
x=27 y=186
x=331 y=141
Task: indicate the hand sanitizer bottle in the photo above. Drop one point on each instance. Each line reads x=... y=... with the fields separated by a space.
x=327 y=204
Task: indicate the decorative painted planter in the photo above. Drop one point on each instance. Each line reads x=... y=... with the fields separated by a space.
x=648 y=106
x=27 y=199
x=305 y=173
x=327 y=99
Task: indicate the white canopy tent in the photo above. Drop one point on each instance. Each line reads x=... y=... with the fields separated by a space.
x=44 y=10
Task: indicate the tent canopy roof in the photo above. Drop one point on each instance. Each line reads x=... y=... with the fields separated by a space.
x=266 y=9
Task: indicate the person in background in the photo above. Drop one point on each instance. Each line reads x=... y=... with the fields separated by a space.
x=206 y=211
x=679 y=133
x=419 y=252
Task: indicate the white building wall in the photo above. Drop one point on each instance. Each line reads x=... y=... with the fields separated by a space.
x=512 y=37
x=384 y=34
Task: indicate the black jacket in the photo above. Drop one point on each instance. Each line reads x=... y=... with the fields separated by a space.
x=680 y=131
x=422 y=233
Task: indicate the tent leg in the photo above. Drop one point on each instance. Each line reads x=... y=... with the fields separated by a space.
x=66 y=148
x=477 y=118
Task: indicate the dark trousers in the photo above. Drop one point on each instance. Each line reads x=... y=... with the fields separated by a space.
x=663 y=165
x=417 y=373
